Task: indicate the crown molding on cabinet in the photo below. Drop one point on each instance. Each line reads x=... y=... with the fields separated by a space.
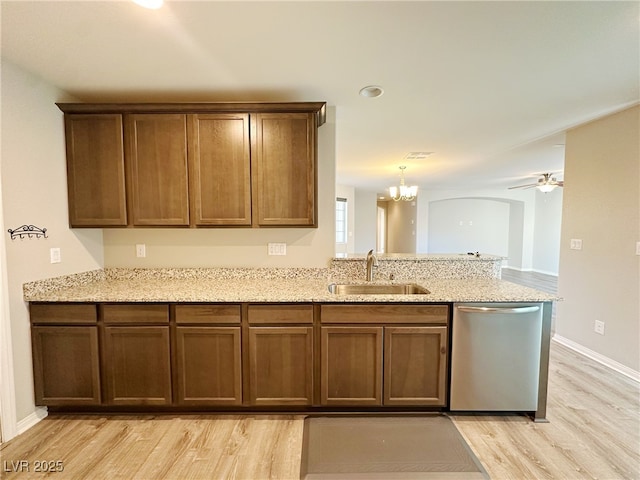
x=200 y=107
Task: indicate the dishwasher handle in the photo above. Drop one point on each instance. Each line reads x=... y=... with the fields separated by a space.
x=471 y=309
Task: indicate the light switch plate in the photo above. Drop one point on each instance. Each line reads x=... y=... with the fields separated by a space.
x=576 y=244
x=637 y=248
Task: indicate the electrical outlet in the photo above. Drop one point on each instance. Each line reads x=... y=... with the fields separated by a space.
x=55 y=255
x=277 y=248
x=576 y=244
x=599 y=327
x=141 y=250
x=637 y=248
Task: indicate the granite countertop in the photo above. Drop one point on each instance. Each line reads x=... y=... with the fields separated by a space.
x=145 y=289
x=423 y=257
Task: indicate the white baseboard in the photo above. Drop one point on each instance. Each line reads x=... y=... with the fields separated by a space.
x=601 y=359
x=531 y=270
x=29 y=421
x=544 y=272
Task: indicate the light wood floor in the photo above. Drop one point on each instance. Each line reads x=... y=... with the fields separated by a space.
x=539 y=281
x=593 y=433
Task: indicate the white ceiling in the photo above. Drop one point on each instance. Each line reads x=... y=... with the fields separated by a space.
x=489 y=87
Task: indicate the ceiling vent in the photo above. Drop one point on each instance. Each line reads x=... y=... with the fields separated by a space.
x=417 y=155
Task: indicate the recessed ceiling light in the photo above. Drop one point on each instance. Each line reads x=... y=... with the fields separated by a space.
x=151 y=4
x=371 y=91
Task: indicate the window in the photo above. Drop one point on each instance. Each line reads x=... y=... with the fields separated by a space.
x=341 y=220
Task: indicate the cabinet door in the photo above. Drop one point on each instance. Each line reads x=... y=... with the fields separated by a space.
x=137 y=365
x=219 y=169
x=284 y=169
x=415 y=365
x=281 y=365
x=351 y=366
x=66 y=366
x=157 y=169
x=95 y=170
x=209 y=366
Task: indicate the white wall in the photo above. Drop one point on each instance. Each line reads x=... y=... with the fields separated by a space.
x=546 y=236
x=601 y=206
x=469 y=225
x=521 y=223
x=517 y=241
x=238 y=247
x=33 y=175
x=366 y=220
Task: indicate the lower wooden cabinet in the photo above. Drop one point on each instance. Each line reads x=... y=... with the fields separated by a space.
x=209 y=366
x=351 y=368
x=239 y=355
x=374 y=366
x=415 y=366
x=66 y=365
x=281 y=365
x=137 y=365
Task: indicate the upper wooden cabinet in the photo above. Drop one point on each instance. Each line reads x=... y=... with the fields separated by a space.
x=157 y=169
x=220 y=169
x=284 y=170
x=195 y=164
x=95 y=170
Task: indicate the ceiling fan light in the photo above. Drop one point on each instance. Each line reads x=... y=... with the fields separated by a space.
x=546 y=188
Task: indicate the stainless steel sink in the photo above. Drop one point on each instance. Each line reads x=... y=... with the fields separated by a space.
x=373 y=289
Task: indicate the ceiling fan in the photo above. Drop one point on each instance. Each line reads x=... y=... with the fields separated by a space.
x=546 y=183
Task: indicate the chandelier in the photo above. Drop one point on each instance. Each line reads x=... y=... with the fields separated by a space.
x=403 y=192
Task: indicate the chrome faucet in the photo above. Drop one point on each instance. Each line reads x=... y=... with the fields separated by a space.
x=372 y=261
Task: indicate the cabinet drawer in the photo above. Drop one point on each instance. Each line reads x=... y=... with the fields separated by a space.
x=208 y=314
x=380 y=313
x=63 y=313
x=292 y=313
x=135 y=313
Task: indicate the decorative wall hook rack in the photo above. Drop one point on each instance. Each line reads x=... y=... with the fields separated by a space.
x=30 y=231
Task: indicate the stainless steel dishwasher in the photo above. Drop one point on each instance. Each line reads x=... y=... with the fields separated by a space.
x=495 y=356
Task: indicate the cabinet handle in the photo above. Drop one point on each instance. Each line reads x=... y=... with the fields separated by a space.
x=469 y=309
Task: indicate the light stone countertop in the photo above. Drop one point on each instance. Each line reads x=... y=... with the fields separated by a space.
x=422 y=257
x=140 y=289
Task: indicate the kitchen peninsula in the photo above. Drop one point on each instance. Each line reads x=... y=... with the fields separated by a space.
x=263 y=339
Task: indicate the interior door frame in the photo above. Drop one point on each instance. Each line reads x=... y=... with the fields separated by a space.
x=8 y=417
